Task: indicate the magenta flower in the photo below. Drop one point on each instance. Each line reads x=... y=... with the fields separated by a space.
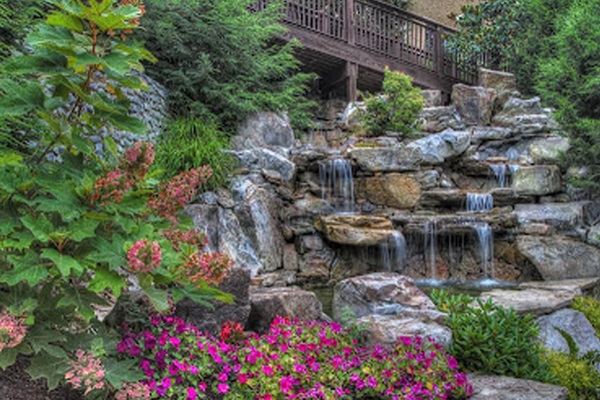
x=191 y=393
x=223 y=388
x=286 y=383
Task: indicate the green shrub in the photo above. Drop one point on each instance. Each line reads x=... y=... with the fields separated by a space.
x=397 y=109
x=492 y=340
x=80 y=231
x=580 y=377
x=216 y=57
x=16 y=19
x=591 y=308
x=189 y=143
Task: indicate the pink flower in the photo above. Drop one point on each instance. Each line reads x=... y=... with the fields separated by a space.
x=143 y=256
x=267 y=370
x=86 y=371
x=286 y=383
x=12 y=329
x=202 y=387
x=223 y=388
x=242 y=378
x=191 y=393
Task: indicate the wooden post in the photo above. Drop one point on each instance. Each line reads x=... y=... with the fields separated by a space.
x=438 y=51
x=350 y=22
x=351 y=81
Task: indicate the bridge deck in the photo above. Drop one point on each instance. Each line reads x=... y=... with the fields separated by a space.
x=365 y=36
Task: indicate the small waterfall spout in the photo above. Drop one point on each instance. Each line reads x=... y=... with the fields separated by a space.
x=504 y=173
x=393 y=253
x=430 y=240
x=337 y=184
x=486 y=246
x=479 y=202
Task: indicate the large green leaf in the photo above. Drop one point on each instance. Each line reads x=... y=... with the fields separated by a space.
x=65 y=264
x=118 y=372
x=8 y=355
x=40 y=337
x=158 y=297
x=28 y=268
x=110 y=252
x=43 y=365
x=105 y=279
x=21 y=99
x=81 y=300
x=41 y=228
x=66 y=21
x=82 y=229
x=19 y=240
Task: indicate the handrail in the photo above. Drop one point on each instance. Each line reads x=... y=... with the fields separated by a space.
x=379 y=27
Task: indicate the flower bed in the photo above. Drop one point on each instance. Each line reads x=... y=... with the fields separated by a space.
x=294 y=360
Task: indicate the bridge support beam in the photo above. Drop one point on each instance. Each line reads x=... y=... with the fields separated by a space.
x=351 y=81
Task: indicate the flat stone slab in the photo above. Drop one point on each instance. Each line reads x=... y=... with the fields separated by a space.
x=530 y=301
x=505 y=388
x=575 y=286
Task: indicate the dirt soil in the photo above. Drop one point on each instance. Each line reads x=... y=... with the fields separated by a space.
x=15 y=384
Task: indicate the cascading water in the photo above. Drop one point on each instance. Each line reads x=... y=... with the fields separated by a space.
x=393 y=253
x=337 y=184
x=479 y=202
x=430 y=240
x=500 y=174
x=504 y=173
x=485 y=236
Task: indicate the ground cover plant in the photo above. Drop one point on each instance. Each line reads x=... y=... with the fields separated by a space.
x=489 y=339
x=78 y=228
x=292 y=360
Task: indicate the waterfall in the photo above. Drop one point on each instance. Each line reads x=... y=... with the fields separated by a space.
x=430 y=240
x=337 y=184
x=500 y=174
x=485 y=236
x=504 y=173
x=479 y=202
x=393 y=253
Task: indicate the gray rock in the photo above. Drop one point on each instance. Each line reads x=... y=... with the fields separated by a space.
x=497 y=80
x=355 y=230
x=593 y=236
x=435 y=149
x=206 y=219
x=264 y=129
x=561 y=216
x=558 y=258
x=475 y=104
x=530 y=301
x=210 y=320
x=385 y=329
x=234 y=242
x=385 y=159
x=516 y=106
x=433 y=98
x=268 y=303
x=265 y=159
x=506 y=388
x=537 y=180
x=575 y=324
x=258 y=213
x=484 y=133
x=576 y=286
x=548 y=150
x=437 y=119
x=382 y=293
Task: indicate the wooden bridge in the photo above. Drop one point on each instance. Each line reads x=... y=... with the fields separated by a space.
x=351 y=42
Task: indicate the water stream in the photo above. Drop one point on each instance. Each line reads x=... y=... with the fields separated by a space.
x=479 y=202
x=337 y=184
x=394 y=253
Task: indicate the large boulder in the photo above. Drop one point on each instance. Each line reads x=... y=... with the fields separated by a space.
x=385 y=159
x=258 y=210
x=561 y=216
x=355 y=230
x=391 y=190
x=264 y=159
x=548 y=150
x=235 y=243
x=292 y=302
x=433 y=98
x=210 y=320
x=558 y=258
x=485 y=133
x=506 y=388
x=474 y=103
x=264 y=129
x=435 y=149
x=538 y=180
x=498 y=80
x=437 y=119
x=382 y=293
x=530 y=301
x=385 y=329
x=572 y=322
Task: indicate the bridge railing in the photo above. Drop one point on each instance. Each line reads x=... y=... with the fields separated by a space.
x=379 y=27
